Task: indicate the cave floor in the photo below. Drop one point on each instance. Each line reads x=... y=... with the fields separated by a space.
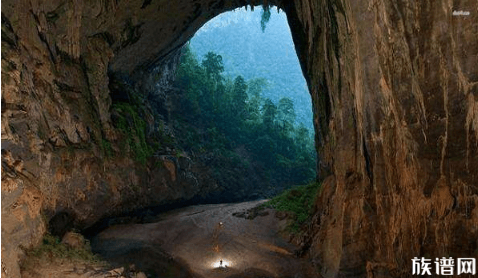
x=191 y=242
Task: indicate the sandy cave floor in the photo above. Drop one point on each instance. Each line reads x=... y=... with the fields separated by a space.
x=191 y=242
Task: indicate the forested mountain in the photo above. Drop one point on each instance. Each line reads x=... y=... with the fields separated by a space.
x=248 y=51
x=235 y=129
x=242 y=136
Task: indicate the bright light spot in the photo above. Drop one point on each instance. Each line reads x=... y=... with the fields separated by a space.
x=219 y=265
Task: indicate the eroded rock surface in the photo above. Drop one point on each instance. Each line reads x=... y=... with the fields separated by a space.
x=395 y=98
x=396 y=133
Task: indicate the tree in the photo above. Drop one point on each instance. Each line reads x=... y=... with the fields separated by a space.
x=255 y=87
x=212 y=62
x=216 y=115
x=239 y=97
x=269 y=111
x=188 y=79
x=286 y=114
x=213 y=68
x=254 y=90
x=302 y=137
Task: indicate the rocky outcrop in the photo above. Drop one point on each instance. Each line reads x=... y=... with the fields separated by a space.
x=60 y=64
x=395 y=98
x=395 y=87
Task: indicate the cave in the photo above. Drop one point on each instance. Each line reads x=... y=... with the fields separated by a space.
x=394 y=92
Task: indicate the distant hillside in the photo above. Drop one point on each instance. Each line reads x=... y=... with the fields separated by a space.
x=247 y=51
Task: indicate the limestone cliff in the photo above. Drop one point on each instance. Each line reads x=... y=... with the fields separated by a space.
x=395 y=88
x=395 y=98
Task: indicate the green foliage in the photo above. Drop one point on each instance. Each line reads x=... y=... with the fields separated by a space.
x=256 y=86
x=254 y=90
x=265 y=17
x=106 y=146
x=298 y=200
x=52 y=248
x=133 y=128
x=239 y=99
x=221 y=114
x=213 y=65
x=286 y=114
x=269 y=112
x=249 y=52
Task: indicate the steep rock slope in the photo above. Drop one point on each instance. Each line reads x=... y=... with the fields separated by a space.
x=395 y=96
x=395 y=90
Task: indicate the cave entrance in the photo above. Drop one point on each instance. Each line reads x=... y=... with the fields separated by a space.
x=238 y=117
x=241 y=105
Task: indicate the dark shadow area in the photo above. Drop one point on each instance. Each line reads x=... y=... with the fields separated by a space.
x=253 y=273
x=143 y=215
x=208 y=240
x=148 y=258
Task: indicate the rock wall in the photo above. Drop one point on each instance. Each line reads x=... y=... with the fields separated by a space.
x=60 y=63
x=394 y=87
